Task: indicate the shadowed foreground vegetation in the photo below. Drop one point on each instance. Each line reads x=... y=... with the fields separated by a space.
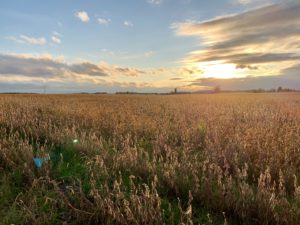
x=192 y=159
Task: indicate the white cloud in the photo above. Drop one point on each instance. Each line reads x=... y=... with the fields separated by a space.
x=83 y=16
x=104 y=21
x=55 y=33
x=55 y=39
x=23 y=39
x=254 y=2
x=155 y=2
x=128 y=23
x=245 y=2
x=149 y=53
x=34 y=41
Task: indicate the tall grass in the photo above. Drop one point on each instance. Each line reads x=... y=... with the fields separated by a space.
x=192 y=159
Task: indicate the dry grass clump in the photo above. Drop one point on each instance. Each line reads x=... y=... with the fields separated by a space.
x=192 y=159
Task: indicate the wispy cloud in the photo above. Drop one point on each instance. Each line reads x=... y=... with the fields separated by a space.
x=83 y=16
x=244 y=2
x=55 y=33
x=288 y=78
x=252 y=2
x=128 y=23
x=265 y=39
x=177 y=78
x=56 y=39
x=155 y=2
x=104 y=21
x=23 y=39
x=149 y=53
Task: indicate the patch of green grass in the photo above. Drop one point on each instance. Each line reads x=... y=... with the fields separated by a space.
x=10 y=188
x=170 y=211
x=13 y=215
x=66 y=161
x=8 y=193
x=68 y=164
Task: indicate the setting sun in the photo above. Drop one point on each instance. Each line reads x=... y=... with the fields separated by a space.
x=150 y=112
x=220 y=70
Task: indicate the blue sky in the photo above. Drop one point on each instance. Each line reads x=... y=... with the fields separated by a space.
x=150 y=31
x=143 y=45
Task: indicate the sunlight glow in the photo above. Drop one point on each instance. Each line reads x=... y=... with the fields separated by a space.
x=221 y=71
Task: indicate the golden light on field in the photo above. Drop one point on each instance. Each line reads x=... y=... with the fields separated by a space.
x=236 y=145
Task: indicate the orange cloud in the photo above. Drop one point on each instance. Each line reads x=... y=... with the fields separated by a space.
x=261 y=42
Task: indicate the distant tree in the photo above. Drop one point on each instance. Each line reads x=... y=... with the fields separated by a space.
x=217 y=89
x=279 y=89
x=272 y=90
x=259 y=90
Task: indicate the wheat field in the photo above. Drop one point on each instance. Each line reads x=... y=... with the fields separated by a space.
x=150 y=159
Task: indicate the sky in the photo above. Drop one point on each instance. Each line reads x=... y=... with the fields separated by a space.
x=67 y=46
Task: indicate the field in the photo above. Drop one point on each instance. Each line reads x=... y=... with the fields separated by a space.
x=150 y=159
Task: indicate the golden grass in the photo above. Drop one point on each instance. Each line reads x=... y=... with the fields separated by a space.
x=213 y=159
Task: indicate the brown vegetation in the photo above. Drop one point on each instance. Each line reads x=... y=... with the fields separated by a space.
x=202 y=159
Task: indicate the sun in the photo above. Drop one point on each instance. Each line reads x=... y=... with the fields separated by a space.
x=224 y=71
x=220 y=70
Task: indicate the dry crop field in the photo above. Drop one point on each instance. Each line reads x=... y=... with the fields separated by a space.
x=150 y=159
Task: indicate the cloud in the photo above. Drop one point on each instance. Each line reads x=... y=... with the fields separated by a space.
x=248 y=2
x=149 y=53
x=253 y=2
x=55 y=39
x=290 y=78
x=40 y=86
x=55 y=67
x=129 y=71
x=27 y=70
x=245 y=2
x=177 y=78
x=55 y=33
x=191 y=71
x=155 y=2
x=247 y=58
x=30 y=66
x=242 y=66
x=32 y=73
x=127 y=23
x=259 y=39
x=104 y=21
x=23 y=39
x=83 y=16
x=87 y=68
